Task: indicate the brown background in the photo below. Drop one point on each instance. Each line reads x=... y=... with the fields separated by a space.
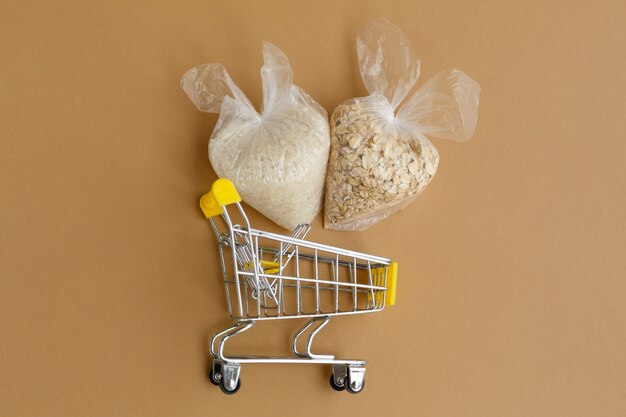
x=513 y=267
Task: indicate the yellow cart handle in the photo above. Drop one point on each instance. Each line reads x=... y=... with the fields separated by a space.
x=223 y=192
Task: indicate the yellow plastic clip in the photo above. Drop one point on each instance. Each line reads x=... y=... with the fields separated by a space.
x=378 y=278
x=223 y=192
x=390 y=297
x=268 y=267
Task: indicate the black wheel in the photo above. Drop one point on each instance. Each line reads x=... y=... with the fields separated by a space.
x=225 y=391
x=335 y=386
x=349 y=388
x=212 y=378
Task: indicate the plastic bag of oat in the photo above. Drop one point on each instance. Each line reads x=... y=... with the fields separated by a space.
x=277 y=159
x=380 y=157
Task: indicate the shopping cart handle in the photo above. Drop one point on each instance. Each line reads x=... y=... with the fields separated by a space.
x=223 y=192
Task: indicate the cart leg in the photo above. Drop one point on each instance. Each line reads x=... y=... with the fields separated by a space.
x=322 y=321
x=245 y=325
x=230 y=331
x=224 y=372
x=219 y=334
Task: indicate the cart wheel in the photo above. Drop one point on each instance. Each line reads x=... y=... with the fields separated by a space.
x=352 y=389
x=212 y=377
x=334 y=386
x=226 y=391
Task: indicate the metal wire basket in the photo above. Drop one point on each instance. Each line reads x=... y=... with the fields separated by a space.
x=268 y=276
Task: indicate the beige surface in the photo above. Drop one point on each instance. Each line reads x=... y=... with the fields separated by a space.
x=513 y=266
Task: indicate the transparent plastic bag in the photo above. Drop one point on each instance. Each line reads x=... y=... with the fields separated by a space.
x=276 y=159
x=380 y=158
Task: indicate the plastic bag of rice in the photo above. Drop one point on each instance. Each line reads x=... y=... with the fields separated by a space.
x=277 y=159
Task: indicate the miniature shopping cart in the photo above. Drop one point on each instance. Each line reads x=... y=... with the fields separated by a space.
x=269 y=276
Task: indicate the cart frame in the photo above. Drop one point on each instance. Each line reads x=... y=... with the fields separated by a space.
x=261 y=287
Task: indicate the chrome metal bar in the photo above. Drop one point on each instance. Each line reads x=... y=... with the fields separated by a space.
x=324 y=259
x=246 y=284
x=281 y=295
x=214 y=227
x=337 y=285
x=294 y=235
x=369 y=276
x=309 y=342
x=223 y=332
x=385 y=285
x=258 y=300
x=253 y=251
x=245 y=325
x=298 y=291
x=323 y=321
x=322 y=281
x=319 y=246
x=232 y=237
x=317 y=283
x=294 y=339
x=299 y=232
x=290 y=359
x=354 y=288
x=225 y=279
x=293 y=316
x=366 y=288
